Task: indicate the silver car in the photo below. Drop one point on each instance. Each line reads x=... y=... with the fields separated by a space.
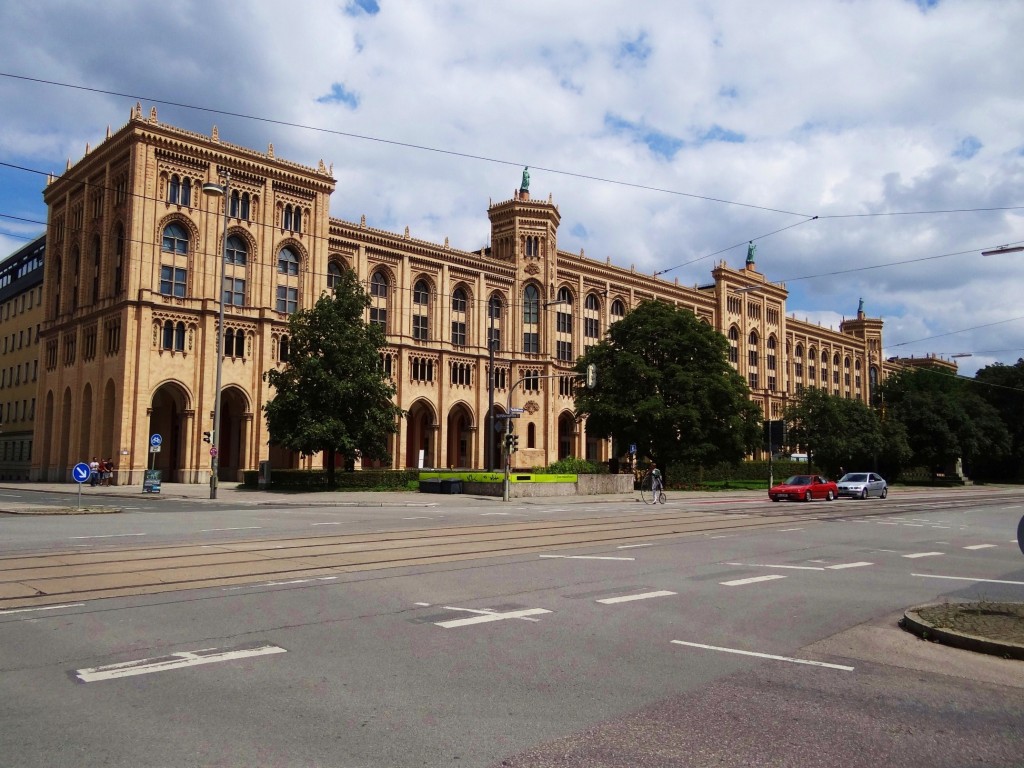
x=860 y=485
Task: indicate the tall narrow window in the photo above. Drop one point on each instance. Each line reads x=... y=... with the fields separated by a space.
x=459 y=305
x=379 y=300
x=531 y=320
x=420 y=310
x=287 y=288
x=174 y=190
x=734 y=346
x=119 y=260
x=333 y=275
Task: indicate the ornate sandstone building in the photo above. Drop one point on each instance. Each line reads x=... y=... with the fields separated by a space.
x=128 y=342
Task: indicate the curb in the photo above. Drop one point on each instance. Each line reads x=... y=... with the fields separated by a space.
x=913 y=623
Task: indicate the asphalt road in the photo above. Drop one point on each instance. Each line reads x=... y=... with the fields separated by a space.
x=750 y=639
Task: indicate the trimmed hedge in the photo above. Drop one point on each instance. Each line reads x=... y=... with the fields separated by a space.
x=573 y=466
x=364 y=480
x=679 y=476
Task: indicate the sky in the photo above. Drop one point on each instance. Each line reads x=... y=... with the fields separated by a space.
x=670 y=133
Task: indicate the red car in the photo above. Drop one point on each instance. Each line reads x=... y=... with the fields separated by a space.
x=804 y=488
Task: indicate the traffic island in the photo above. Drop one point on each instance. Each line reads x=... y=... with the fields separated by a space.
x=983 y=626
x=60 y=510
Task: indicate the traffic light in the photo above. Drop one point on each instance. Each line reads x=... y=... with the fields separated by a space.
x=513 y=442
x=207 y=437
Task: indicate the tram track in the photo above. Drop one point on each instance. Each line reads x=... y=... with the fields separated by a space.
x=29 y=580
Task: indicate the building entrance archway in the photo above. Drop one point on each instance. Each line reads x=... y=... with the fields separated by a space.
x=421 y=429
x=166 y=418
x=460 y=432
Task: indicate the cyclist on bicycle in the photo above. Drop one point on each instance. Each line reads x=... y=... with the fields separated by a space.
x=656 y=482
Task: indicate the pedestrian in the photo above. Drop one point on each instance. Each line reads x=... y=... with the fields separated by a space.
x=106 y=471
x=94 y=471
x=656 y=482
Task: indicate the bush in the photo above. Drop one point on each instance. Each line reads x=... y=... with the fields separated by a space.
x=570 y=465
x=316 y=479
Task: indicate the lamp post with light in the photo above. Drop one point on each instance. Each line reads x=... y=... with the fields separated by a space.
x=217 y=191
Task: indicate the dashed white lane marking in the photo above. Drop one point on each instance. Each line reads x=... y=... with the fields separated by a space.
x=131 y=508
x=752 y=580
x=584 y=557
x=108 y=536
x=10 y=495
x=417 y=518
x=980 y=546
x=486 y=617
x=967 y=578
x=43 y=608
x=789 y=567
x=880 y=522
x=630 y=598
x=841 y=566
x=633 y=546
x=787 y=530
x=488 y=514
x=313 y=524
x=923 y=554
x=242 y=528
x=914 y=525
x=727 y=536
x=174 y=661
x=766 y=656
x=422 y=605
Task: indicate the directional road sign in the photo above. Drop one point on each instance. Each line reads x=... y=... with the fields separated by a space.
x=515 y=410
x=81 y=472
x=156 y=440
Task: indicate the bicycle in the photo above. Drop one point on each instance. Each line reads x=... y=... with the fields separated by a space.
x=647 y=490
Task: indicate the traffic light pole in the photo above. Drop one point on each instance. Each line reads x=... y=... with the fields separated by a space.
x=591 y=379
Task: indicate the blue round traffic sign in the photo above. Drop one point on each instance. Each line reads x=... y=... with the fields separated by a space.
x=156 y=440
x=81 y=472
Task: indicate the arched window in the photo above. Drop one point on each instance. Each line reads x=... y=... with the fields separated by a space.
x=752 y=351
x=531 y=320
x=236 y=255
x=379 y=300
x=244 y=213
x=297 y=220
x=563 y=325
x=591 y=320
x=333 y=275
x=494 y=307
x=531 y=435
x=287 y=288
x=734 y=345
x=287 y=217
x=179 y=337
x=186 y=191
x=420 y=311
x=459 y=304
x=168 y=340
x=618 y=310
x=119 y=260
x=95 y=269
x=174 y=190
x=175 y=239
x=283 y=349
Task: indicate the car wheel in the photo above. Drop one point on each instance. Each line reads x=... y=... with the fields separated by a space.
x=885 y=492
x=829 y=496
x=807 y=496
x=775 y=498
x=864 y=493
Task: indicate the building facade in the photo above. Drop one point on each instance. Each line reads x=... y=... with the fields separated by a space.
x=21 y=315
x=128 y=341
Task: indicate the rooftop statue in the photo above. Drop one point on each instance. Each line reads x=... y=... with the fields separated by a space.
x=860 y=306
x=525 y=186
x=750 y=252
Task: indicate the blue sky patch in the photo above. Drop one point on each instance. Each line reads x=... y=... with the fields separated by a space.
x=968 y=148
x=356 y=7
x=579 y=231
x=718 y=133
x=635 y=51
x=659 y=143
x=340 y=95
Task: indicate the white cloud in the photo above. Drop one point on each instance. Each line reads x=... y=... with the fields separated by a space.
x=828 y=109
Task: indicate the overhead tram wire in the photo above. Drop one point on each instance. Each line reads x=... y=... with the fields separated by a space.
x=395 y=143
x=737 y=245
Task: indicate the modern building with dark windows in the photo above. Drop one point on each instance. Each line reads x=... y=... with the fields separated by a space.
x=21 y=313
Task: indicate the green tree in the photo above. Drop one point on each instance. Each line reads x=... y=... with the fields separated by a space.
x=945 y=419
x=1003 y=389
x=843 y=433
x=664 y=383
x=331 y=395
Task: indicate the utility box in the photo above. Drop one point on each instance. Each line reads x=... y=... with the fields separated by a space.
x=263 y=480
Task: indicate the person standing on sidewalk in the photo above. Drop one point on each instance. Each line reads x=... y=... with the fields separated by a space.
x=94 y=472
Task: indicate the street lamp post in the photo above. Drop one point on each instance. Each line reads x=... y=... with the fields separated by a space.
x=492 y=305
x=217 y=191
